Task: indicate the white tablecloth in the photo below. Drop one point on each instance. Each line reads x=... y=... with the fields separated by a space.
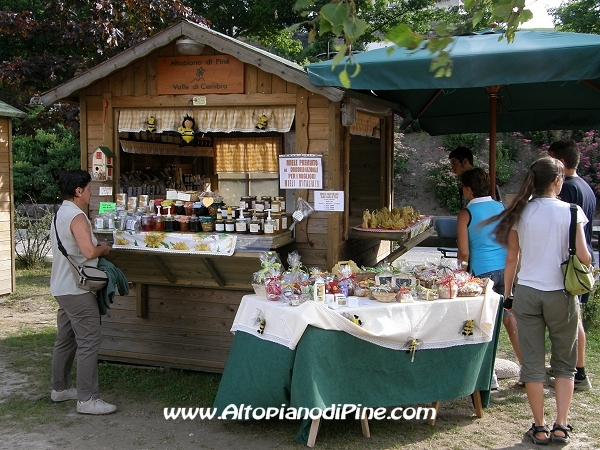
x=436 y=324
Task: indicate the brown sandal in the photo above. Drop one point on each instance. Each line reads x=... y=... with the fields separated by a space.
x=539 y=429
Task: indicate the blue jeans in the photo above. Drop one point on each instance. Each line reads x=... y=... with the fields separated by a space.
x=497 y=276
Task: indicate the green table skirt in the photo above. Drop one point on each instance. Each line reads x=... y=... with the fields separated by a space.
x=332 y=367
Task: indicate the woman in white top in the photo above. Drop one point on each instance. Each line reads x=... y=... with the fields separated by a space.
x=78 y=317
x=535 y=227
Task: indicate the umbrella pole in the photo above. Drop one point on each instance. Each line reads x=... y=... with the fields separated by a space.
x=493 y=93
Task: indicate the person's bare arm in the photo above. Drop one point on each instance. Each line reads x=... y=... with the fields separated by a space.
x=82 y=233
x=463 y=237
x=581 y=248
x=512 y=259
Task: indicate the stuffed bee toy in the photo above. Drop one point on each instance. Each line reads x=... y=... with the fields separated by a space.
x=411 y=346
x=467 y=328
x=353 y=318
x=151 y=124
x=186 y=131
x=260 y=321
x=262 y=122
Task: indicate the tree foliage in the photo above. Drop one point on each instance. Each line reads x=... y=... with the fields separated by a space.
x=39 y=159
x=342 y=18
x=581 y=16
x=45 y=44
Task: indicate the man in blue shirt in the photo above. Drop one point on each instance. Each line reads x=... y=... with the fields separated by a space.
x=576 y=190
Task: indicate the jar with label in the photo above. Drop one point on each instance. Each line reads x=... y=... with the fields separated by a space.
x=148 y=222
x=284 y=222
x=99 y=223
x=200 y=209
x=189 y=208
x=160 y=223
x=220 y=226
x=133 y=222
x=267 y=200
x=230 y=226
x=246 y=202
x=259 y=206
x=230 y=213
x=169 y=223
x=252 y=202
x=256 y=226
x=281 y=201
x=207 y=223
x=269 y=225
x=194 y=224
x=214 y=209
x=219 y=214
x=184 y=224
x=179 y=208
x=275 y=206
x=242 y=225
x=277 y=222
x=176 y=226
x=261 y=216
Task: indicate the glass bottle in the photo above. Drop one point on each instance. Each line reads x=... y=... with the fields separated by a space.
x=255 y=226
x=269 y=225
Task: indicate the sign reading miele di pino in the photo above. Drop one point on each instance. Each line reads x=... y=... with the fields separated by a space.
x=213 y=74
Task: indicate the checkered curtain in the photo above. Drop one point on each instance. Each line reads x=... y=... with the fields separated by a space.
x=252 y=154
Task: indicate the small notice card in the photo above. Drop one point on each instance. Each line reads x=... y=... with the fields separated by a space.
x=107 y=207
x=105 y=190
x=329 y=200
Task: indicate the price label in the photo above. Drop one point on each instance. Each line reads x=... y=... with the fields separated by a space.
x=107 y=207
x=105 y=190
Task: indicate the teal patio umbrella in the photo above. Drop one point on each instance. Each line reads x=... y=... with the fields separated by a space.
x=542 y=81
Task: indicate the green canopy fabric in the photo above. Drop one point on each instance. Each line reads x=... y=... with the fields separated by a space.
x=542 y=81
x=547 y=80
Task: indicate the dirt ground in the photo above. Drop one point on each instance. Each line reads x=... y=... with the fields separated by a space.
x=142 y=425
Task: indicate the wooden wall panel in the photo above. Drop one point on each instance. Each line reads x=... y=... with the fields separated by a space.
x=7 y=263
x=263 y=82
x=184 y=327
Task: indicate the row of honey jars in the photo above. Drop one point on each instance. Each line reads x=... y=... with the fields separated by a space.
x=265 y=203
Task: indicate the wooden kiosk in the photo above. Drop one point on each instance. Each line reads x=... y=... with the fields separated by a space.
x=180 y=309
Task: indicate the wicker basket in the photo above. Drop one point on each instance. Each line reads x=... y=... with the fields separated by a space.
x=260 y=290
x=383 y=297
x=363 y=276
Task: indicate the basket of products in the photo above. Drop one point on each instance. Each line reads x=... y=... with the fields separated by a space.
x=383 y=293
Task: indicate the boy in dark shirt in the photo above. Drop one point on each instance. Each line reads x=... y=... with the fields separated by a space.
x=576 y=190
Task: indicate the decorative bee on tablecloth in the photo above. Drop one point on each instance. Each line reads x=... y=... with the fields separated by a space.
x=468 y=327
x=353 y=318
x=262 y=122
x=260 y=321
x=411 y=346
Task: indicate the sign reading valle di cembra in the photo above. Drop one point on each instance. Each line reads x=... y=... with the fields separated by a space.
x=213 y=74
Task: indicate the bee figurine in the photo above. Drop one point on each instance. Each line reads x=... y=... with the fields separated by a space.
x=467 y=328
x=260 y=321
x=412 y=345
x=151 y=124
x=186 y=131
x=262 y=122
x=353 y=318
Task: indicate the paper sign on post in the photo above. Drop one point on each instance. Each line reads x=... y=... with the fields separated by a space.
x=107 y=207
x=300 y=172
x=105 y=190
x=329 y=200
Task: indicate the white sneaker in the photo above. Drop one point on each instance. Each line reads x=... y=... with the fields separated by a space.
x=95 y=406
x=64 y=395
x=494 y=385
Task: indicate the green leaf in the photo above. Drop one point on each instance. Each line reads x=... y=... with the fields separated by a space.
x=502 y=12
x=335 y=13
x=403 y=36
x=477 y=17
x=293 y=28
x=525 y=16
x=344 y=79
x=303 y=4
x=354 y=28
x=469 y=4
x=356 y=70
x=339 y=56
x=519 y=3
x=324 y=27
x=311 y=35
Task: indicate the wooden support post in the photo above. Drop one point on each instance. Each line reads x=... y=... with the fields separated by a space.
x=364 y=424
x=213 y=271
x=477 y=403
x=141 y=300
x=312 y=435
x=165 y=269
x=436 y=406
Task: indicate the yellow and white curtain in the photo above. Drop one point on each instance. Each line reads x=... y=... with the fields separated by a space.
x=215 y=120
x=251 y=154
x=366 y=125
